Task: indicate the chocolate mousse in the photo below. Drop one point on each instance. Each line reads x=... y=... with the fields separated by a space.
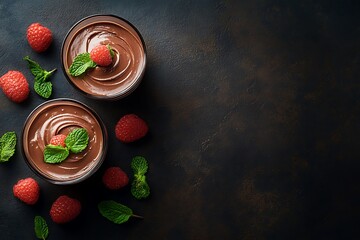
x=61 y=116
x=129 y=60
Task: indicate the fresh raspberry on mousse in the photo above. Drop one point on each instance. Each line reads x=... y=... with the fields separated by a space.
x=58 y=140
x=101 y=55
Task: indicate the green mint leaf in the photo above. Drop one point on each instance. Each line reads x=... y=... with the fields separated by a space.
x=41 y=87
x=35 y=68
x=81 y=63
x=55 y=154
x=41 y=228
x=77 y=140
x=140 y=188
x=7 y=146
x=111 y=51
x=43 y=76
x=44 y=89
x=139 y=165
x=115 y=212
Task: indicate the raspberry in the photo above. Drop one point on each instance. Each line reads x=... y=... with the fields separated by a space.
x=15 y=86
x=39 y=37
x=101 y=55
x=58 y=140
x=27 y=190
x=65 y=209
x=115 y=178
x=130 y=128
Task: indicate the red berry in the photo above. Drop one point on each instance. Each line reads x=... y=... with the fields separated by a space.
x=39 y=37
x=115 y=178
x=27 y=190
x=65 y=209
x=101 y=55
x=130 y=128
x=15 y=86
x=58 y=140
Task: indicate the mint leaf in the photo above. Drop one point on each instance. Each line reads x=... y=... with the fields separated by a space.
x=139 y=187
x=115 y=212
x=44 y=89
x=77 y=140
x=139 y=165
x=81 y=63
x=7 y=146
x=41 y=228
x=55 y=154
x=35 y=68
x=41 y=86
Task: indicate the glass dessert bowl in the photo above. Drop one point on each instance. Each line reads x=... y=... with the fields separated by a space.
x=61 y=116
x=129 y=56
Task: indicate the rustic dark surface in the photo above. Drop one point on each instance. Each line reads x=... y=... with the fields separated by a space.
x=253 y=108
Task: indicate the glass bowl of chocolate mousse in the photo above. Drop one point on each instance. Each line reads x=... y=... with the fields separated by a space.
x=61 y=116
x=126 y=71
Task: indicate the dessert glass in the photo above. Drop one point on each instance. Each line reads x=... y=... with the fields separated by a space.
x=128 y=66
x=61 y=116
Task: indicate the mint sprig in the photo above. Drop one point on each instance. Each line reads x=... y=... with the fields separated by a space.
x=7 y=146
x=42 y=86
x=81 y=63
x=75 y=142
x=139 y=187
x=41 y=228
x=116 y=212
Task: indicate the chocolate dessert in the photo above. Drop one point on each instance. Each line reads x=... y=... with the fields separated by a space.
x=129 y=60
x=61 y=116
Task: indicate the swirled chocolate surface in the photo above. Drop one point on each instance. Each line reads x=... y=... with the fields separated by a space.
x=127 y=68
x=61 y=117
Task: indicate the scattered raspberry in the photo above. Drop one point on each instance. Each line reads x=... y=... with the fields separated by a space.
x=39 y=37
x=130 y=128
x=65 y=209
x=15 y=86
x=115 y=178
x=58 y=140
x=27 y=190
x=101 y=55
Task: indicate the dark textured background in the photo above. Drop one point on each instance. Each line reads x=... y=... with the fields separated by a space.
x=253 y=108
